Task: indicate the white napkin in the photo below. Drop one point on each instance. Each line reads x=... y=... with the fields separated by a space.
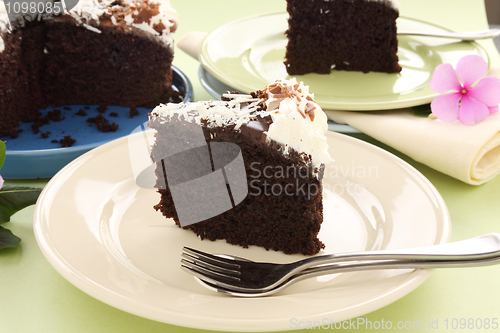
x=468 y=153
x=190 y=43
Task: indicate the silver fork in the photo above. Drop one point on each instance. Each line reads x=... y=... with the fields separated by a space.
x=334 y=268
x=244 y=276
x=466 y=36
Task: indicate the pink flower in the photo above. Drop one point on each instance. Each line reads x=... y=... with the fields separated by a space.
x=473 y=98
x=1 y=182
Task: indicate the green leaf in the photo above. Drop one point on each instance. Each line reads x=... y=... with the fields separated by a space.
x=2 y=152
x=8 y=239
x=13 y=198
x=422 y=110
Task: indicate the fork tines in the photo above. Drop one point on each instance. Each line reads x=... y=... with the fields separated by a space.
x=204 y=265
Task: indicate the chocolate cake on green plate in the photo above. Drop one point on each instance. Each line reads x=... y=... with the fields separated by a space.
x=351 y=35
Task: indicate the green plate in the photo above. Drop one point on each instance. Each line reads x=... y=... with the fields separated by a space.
x=248 y=54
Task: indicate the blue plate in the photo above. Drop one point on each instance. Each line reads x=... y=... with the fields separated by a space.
x=31 y=156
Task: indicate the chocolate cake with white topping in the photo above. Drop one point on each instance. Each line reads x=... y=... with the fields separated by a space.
x=104 y=52
x=280 y=132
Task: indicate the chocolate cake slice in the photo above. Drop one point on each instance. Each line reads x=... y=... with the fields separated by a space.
x=280 y=133
x=103 y=52
x=351 y=35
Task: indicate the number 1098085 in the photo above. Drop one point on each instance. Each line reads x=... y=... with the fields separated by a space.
x=32 y=7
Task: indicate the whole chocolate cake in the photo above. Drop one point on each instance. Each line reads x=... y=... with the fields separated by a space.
x=351 y=35
x=104 y=52
x=280 y=134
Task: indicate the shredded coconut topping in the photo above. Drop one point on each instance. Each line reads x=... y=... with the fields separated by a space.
x=298 y=122
x=238 y=110
x=156 y=17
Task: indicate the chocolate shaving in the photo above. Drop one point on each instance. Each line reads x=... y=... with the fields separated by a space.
x=145 y=11
x=159 y=27
x=310 y=110
x=279 y=92
x=301 y=112
x=275 y=89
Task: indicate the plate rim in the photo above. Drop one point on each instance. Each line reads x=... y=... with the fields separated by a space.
x=127 y=304
x=207 y=63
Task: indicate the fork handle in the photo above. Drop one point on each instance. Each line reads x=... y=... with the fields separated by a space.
x=467 y=36
x=478 y=248
x=389 y=264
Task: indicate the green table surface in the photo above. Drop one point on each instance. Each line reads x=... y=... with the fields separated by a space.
x=35 y=298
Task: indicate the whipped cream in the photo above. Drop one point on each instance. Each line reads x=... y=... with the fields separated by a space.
x=391 y=3
x=298 y=122
x=4 y=24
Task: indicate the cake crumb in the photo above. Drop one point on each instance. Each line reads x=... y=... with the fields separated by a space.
x=102 y=108
x=36 y=126
x=177 y=96
x=45 y=135
x=103 y=124
x=133 y=112
x=81 y=112
x=67 y=141
x=54 y=115
x=14 y=134
x=113 y=114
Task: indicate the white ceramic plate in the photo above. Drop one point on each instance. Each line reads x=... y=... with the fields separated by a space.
x=99 y=230
x=248 y=54
x=216 y=88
